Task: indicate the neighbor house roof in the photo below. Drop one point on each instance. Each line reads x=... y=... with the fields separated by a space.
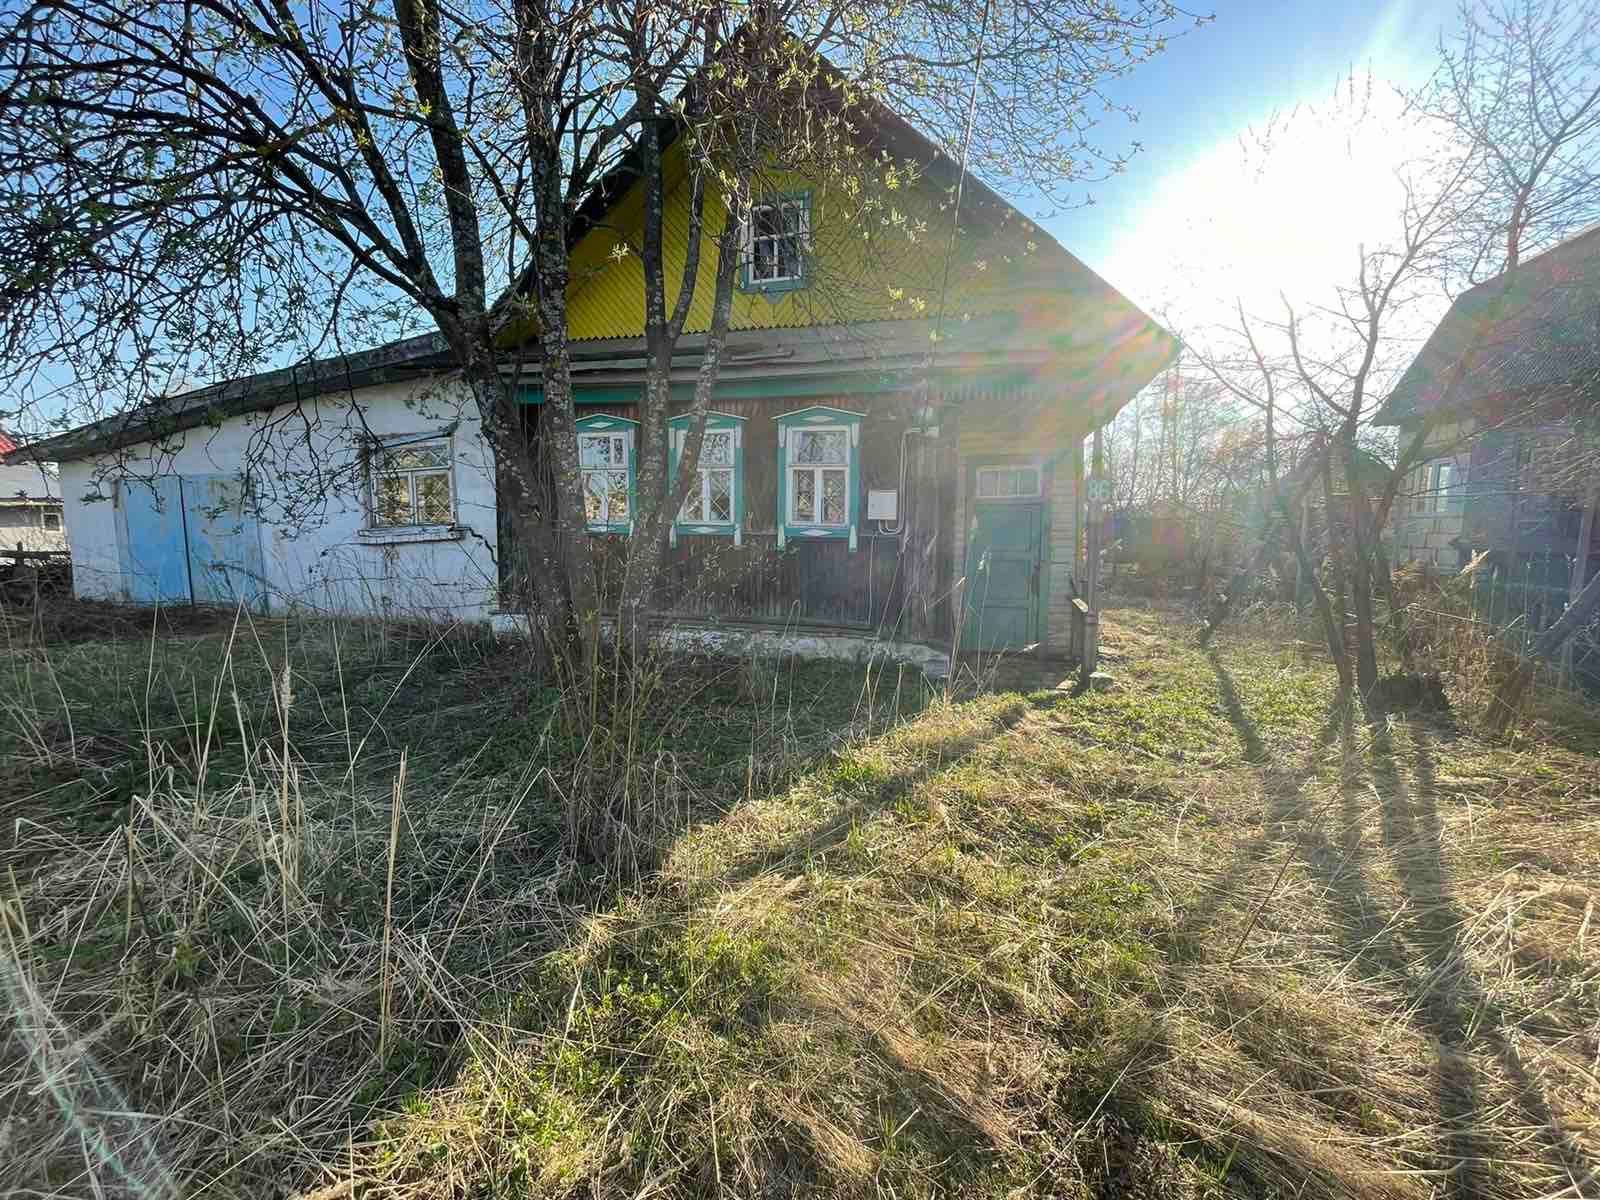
x=1533 y=328
x=23 y=479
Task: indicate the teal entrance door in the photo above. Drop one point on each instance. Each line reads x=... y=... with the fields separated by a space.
x=1004 y=558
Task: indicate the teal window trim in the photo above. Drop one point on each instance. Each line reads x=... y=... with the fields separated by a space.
x=715 y=423
x=777 y=287
x=819 y=418
x=609 y=426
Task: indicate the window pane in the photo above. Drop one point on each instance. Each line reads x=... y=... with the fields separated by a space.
x=717 y=450
x=805 y=495
x=617 y=496
x=433 y=498
x=601 y=450
x=833 y=497
x=1027 y=482
x=594 y=495
x=766 y=221
x=423 y=456
x=692 y=501
x=720 y=494
x=764 y=264
x=789 y=258
x=393 y=500
x=826 y=447
x=793 y=213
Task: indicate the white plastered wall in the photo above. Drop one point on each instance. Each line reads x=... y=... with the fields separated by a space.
x=308 y=483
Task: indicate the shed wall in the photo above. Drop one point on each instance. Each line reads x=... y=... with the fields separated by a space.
x=309 y=490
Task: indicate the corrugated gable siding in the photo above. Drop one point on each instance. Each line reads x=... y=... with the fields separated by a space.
x=880 y=265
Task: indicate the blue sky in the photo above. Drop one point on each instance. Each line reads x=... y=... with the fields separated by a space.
x=1209 y=88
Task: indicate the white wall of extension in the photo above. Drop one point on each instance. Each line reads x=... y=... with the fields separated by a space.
x=308 y=491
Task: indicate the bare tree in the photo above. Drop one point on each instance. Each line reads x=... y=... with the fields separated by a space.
x=1514 y=110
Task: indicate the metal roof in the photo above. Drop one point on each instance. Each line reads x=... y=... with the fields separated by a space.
x=163 y=416
x=1534 y=328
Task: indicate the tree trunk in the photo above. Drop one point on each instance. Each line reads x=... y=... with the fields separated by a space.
x=558 y=435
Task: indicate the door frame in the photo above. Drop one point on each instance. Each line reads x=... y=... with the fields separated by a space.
x=1045 y=464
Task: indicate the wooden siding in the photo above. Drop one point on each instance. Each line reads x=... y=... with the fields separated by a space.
x=1043 y=425
x=824 y=583
x=805 y=584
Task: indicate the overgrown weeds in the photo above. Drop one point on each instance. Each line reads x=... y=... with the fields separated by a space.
x=265 y=875
x=1208 y=933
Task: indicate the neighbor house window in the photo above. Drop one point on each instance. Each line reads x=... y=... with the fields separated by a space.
x=605 y=457
x=52 y=521
x=1433 y=486
x=714 y=502
x=777 y=243
x=818 y=455
x=411 y=484
x=1007 y=483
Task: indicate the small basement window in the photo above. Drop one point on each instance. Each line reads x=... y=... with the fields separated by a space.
x=412 y=485
x=1008 y=483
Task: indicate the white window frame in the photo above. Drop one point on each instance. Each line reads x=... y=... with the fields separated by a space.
x=802 y=235
x=45 y=518
x=379 y=473
x=701 y=489
x=816 y=469
x=995 y=469
x=624 y=438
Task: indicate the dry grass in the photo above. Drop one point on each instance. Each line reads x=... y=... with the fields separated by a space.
x=262 y=878
x=1203 y=934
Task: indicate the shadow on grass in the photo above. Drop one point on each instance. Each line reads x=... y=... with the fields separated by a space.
x=1447 y=995
x=1413 y=950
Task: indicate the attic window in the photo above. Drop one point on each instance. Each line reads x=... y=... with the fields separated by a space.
x=777 y=243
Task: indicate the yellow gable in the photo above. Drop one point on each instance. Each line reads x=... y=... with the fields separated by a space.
x=878 y=252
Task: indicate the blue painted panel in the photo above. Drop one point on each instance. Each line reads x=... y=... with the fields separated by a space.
x=224 y=542
x=1004 y=558
x=156 y=557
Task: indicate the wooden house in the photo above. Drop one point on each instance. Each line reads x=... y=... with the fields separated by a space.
x=1507 y=389
x=895 y=447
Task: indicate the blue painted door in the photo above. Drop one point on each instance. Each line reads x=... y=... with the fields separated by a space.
x=224 y=542
x=1004 y=556
x=157 y=552
x=192 y=539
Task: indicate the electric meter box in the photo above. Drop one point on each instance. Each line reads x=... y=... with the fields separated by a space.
x=883 y=505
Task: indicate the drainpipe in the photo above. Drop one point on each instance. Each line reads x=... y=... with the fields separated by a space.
x=1091 y=574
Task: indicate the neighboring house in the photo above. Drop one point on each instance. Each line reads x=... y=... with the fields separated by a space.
x=30 y=503
x=1507 y=389
x=835 y=456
